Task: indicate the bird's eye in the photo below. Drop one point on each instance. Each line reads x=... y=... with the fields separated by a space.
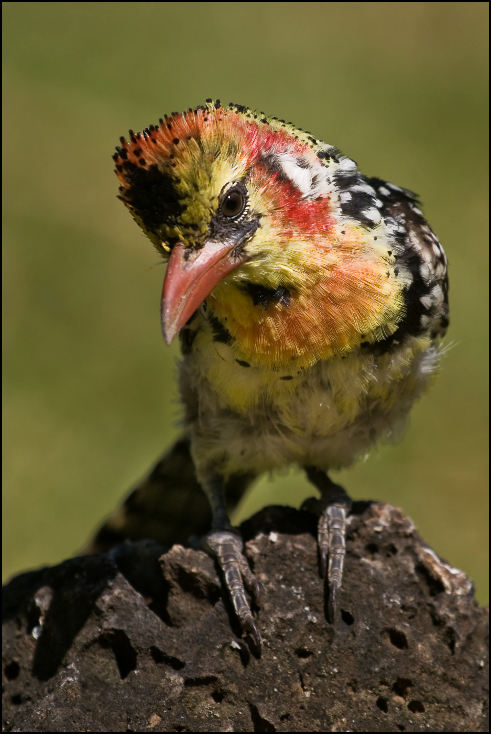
x=233 y=203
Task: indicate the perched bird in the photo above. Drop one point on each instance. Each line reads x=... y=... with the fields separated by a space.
x=308 y=300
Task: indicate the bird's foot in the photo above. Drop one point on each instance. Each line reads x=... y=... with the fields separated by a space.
x=226 y=546
x=333 y=509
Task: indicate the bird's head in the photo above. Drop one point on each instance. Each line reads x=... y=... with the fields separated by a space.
x=273 y=228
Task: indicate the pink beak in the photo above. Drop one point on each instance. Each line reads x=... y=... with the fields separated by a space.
x=190 y=278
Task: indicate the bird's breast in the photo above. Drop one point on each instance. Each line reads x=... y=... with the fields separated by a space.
x=322 y=396
x=247 y=417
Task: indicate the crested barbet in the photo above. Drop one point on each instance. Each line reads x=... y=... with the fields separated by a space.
x=308 y=300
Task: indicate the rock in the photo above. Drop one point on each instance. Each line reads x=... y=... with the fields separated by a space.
x=140 y=638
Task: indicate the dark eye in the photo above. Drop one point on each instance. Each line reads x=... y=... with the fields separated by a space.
x=233 y=203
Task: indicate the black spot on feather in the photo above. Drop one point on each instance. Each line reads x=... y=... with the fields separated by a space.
x=220 y=333
x=152 y=195
x=262 y=296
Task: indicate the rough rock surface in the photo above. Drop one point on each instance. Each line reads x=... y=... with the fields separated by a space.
x=140 y=639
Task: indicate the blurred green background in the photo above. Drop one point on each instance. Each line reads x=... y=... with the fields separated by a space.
x=89 y=393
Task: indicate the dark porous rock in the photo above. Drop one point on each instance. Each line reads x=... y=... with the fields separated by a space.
x=141 y=639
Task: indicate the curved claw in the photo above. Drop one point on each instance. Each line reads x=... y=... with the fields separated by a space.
x=248 y=625
x=332 y=602
x=227 y=548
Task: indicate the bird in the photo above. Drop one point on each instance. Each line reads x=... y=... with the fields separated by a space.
x=310 y=302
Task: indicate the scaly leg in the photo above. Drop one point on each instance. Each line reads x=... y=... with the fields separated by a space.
x=226 y=545
x=333 y=509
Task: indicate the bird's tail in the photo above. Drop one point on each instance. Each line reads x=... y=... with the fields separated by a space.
x=167 y=505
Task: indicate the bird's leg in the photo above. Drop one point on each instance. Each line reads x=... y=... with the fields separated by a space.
x=225 y=543
x=333 y=509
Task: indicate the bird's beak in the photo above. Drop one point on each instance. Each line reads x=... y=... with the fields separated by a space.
x=190 y=278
